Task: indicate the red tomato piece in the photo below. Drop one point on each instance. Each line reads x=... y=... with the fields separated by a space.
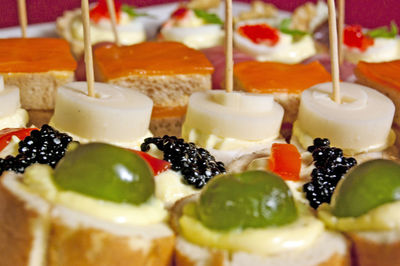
x=179 y=13
x=354 y=37
x=7 y=133
x=158 y=166
x=101 y=10
x=285 y=161
x=260 y=33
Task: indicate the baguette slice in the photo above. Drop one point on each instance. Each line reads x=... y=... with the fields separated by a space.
x=331 y=249
x=376 y=248
x=36 y=232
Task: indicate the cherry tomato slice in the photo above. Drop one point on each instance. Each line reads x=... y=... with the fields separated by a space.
x=158 y=166
x=101 y=10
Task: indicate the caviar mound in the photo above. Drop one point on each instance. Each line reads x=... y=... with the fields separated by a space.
x=197 y=165
x=44 y=146
x=330 y=167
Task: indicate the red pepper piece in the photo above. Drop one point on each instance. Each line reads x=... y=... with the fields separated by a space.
x=285 y=161
x=260 y=33
x=158 y=166
x=101 y=10
x=179 y=13
x=7 y=133
x=354 y=37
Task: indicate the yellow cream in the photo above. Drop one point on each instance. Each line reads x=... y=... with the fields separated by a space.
x=170 y=188
x=129 y=32
x=211 y=141
x=269 y=241
x=134 y=144
x=38 y=180
x=19 y=119
x=306 y=140
x=286 y=50
x=384 y=217
x=384 y=49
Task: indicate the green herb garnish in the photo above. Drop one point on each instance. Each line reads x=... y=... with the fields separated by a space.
x=383 y=32
x=284 y=27
x=208 y=18
x=130 y=10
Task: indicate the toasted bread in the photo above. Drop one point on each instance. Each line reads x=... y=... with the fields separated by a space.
x=34 y=232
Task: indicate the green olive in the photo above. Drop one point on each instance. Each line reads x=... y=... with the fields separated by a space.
x=105 y=172
x=366 y=187
x=251 y=199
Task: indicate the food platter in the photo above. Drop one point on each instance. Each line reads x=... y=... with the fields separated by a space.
x=159 y=14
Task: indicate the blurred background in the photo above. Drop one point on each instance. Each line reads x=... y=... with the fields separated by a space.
x=368 y=13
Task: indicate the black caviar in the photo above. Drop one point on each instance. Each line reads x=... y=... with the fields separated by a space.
x=197 y=165
x=44 y=146
x=330 y=167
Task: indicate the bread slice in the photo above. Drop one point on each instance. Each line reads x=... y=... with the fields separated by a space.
x=38 y=66
x=331 y=249
x=167 y=72
x=171 y=126
x=38 y=90
x=36 y=232
x=376 y=248
x=38 y=118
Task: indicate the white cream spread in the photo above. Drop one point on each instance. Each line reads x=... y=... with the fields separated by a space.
x=38 y=180
x=16 y=120
x=286 y=50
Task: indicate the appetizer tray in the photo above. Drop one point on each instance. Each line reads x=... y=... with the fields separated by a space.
x=157 y=15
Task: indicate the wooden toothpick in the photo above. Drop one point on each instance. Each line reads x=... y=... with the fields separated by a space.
x=228 y=47
x=341 y=28
x=113 y=17
x=333 y=37
x=88 y=48
x=23 y=20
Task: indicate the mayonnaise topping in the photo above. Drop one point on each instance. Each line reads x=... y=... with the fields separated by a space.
x=268 y=241
x=384 y=217
x=360 y=123
x=38 y=180
x=16 y=120
x=286 y=50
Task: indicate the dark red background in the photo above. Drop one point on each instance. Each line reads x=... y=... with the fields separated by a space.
x=369 y=13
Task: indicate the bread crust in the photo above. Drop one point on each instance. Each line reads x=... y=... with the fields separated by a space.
x=164 y=90
x=71 y=238
x=38 y=90
x=369 y=253
x=93 y=247
x=39 y=117
x=171 y=126
x=16 y=238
